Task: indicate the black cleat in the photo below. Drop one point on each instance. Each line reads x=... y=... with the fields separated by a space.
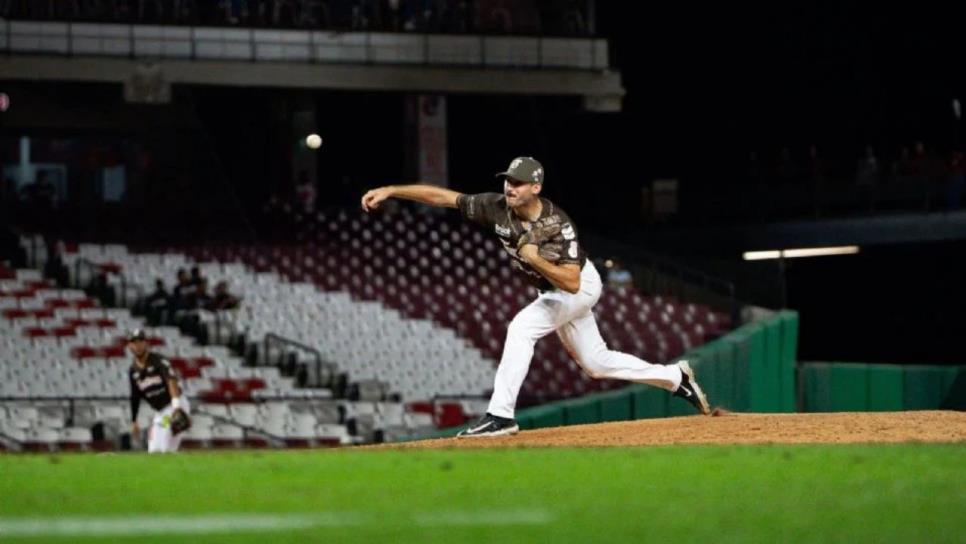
x=690 y=390
x=490 y=425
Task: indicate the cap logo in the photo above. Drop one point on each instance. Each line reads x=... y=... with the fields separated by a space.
x=537 y=174
x=515 y=163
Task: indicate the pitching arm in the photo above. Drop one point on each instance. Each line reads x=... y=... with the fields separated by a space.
x=425 y=194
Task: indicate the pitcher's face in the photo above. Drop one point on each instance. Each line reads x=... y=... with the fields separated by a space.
x=519 y=193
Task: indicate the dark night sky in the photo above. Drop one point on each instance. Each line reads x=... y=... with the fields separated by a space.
x=703 y=88
x=738 y=78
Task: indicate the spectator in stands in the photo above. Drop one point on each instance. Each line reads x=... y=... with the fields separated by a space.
x=10 y=249
x=305 y=193
x=193 y=315
x=160 y=296
x=55 y=268
x=196 y=278
x=201 y=297
x=223 y=300
x=617 y=275
x=182 y=291
x=155 y=306
x=102 y=290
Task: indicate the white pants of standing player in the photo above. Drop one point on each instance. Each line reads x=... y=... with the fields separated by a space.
x=571 y=317
x=160 y=438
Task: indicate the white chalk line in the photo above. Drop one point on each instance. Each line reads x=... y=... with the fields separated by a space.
x=168 y=524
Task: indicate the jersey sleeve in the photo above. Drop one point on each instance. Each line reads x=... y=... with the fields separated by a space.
x=479 y=208
x=167 y=373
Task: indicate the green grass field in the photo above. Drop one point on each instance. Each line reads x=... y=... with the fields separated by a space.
x=882 y=493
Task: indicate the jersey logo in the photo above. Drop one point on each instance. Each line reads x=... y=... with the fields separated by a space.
x=502 y=231
x=568 y=232
x=149 y=381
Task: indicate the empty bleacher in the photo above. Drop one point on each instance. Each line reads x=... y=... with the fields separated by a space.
x=411 y=310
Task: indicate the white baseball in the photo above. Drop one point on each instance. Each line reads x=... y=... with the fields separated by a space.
x=314 y=141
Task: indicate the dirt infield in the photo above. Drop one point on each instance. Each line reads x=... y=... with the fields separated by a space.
x=728 y=428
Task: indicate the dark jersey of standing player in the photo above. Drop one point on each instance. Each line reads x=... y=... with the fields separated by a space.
x=150 y=382
x=490 y=211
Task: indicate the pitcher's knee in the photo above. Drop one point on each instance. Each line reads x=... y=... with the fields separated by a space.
x=592 y=367
x=596 y=366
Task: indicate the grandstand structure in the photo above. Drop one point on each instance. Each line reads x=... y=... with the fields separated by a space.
x=353 y=328
x=389 y=345
x=149 y=56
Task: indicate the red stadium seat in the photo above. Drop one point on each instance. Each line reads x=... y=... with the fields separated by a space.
x=35 y=332
x=449 y=414
x=112 y=351
x=64 y=332
x=83 y=352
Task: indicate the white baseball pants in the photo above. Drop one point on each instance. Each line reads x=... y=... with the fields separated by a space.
x=160 y=438
x=571 y=316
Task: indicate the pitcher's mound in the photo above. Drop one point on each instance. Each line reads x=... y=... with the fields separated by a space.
x=736 y=428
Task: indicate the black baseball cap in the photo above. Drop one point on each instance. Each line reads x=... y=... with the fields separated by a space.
x=137 y=334
x=526 y=169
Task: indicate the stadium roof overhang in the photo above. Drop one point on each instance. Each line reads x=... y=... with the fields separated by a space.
x=602 y=89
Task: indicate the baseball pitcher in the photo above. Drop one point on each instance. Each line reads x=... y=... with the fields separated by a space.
x=543 y=245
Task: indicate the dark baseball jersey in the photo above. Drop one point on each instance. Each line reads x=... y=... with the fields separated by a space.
x=490 y=211
x=150 y=383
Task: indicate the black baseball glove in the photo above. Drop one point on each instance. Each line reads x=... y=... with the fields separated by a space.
x=546 y=238
x=180 y=422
